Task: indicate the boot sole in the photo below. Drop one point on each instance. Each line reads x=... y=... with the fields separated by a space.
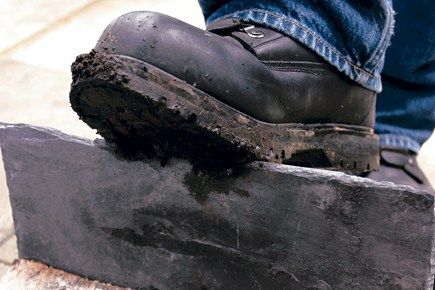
x=145 y=110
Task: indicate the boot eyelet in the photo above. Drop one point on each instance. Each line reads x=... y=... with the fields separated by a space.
x=250 y=30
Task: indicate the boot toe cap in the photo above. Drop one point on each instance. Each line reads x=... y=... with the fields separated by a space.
x=137 y=34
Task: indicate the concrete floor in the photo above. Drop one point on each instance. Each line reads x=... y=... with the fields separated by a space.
x=40 y=39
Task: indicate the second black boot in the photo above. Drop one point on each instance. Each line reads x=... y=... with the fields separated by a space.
x=232 y=94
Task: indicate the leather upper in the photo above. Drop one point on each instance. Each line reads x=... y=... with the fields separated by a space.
x=256 y=70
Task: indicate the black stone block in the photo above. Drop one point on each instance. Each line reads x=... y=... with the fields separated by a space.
x=81 y=208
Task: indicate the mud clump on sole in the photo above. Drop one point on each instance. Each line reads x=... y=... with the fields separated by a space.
x=142 y=129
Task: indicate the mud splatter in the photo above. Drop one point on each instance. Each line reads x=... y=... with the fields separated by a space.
x=201 y=184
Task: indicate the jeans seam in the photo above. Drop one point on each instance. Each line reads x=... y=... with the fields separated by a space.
x=384 y=41
x=299 y=25
x=399 y=142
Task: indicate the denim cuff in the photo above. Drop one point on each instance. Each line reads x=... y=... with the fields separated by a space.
x=399 y=142
x=369 y=78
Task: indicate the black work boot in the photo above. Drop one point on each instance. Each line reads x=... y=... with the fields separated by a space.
x=232 y=94
x=400 y=167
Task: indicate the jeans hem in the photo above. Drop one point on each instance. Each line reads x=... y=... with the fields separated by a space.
x=399 y=142
x=418 y=135
x=385 y=38
x=293 y=28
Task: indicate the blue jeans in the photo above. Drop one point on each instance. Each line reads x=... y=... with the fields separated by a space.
x=353 y=36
